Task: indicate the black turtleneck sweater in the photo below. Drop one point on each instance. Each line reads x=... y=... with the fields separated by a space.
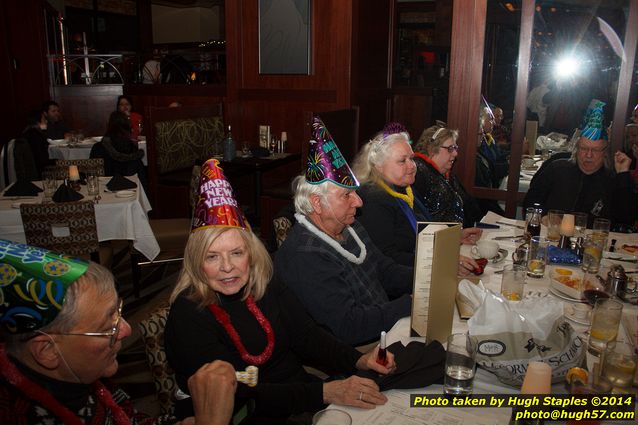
x=194 y=337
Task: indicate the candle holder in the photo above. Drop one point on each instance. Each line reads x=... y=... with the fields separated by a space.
x=565 y=242
x=74 y=184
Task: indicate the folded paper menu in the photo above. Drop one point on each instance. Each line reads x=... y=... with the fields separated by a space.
x=435 y=267
x=23 y=188
x=120 y=183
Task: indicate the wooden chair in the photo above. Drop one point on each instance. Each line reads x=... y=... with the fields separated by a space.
x=7 y=166
x=68 y=228
x=176 y=140
x=343 y=125
x=92 y=165
x=172 y=236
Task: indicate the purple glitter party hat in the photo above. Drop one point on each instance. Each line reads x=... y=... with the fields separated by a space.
x=325 y=161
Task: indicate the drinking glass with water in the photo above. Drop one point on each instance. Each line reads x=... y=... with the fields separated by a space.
x=460 y=364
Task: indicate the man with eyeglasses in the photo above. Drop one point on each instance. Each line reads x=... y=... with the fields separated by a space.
x=585 y=182
x=61 y=326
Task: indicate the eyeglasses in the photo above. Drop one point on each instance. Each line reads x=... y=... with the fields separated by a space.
x=112 y=334
x=451 y=148
x=593 y=151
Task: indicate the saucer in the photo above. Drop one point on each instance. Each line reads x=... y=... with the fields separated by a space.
x=560 y=295
x=124 y=193
x=568 y=312
x=502 y=254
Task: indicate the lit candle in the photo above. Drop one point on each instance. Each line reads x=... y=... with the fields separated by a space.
x=538 y=379
x=74 y=174
x=567 y=225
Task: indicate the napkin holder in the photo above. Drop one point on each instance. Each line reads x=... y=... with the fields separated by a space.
x=435 y=280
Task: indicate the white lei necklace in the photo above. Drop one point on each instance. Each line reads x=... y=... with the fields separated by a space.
x=333 y=243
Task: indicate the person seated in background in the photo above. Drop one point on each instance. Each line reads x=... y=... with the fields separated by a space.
x=489 y=149
x=501 y=132
x=586 y=182
x=226 y=305
x=329 y=261
x=121 y=156
x=441 y=191
x=56 y=128
x=634 y=115
x=31 y=149
x=631 y=149
x=57 y=349
x=125 y=105
x=391 y=209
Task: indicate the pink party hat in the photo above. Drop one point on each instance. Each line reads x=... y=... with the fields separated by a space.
x=216 y=205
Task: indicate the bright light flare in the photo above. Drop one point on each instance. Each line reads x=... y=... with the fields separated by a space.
x=567 y=67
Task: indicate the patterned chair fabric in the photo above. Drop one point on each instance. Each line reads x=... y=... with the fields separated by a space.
x=92 y=165
x=152 y=330
x=282 y=226
x=182 y=143
x=73 y=224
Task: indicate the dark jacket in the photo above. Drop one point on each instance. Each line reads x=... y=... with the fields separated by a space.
x=562 y=186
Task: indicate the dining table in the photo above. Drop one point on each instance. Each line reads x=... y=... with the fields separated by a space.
x=397 y=410
x=119 y=215
x=62 y=149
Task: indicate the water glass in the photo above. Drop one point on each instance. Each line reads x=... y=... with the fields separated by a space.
x=513 y=283
x=604 y=325
x=92 y=184
x=537 y=257
x=460 y=364
x=580 y=224
x=593 y=252
x=331 y=417
x=49 y=184
x=554 y=218
x=620 y=365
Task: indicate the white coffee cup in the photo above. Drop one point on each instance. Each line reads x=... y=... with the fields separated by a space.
x=485 y=249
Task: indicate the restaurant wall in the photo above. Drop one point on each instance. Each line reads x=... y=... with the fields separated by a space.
x=338 y=78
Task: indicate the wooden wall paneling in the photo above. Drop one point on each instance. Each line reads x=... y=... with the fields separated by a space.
x=622 y=109
x=468 y=37
x=87 y=108
x=520 y=111
x=9 y=129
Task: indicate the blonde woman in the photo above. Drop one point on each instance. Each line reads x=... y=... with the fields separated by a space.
x=226 y=306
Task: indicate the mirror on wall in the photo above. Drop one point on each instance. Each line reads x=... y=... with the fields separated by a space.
x=576 y=55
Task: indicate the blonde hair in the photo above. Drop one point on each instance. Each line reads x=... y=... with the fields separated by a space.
x=433 y=138
x=375 y=153
x=193 y=282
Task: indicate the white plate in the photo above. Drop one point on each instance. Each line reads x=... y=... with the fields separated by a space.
x=57 y=142
x=568 y=312
x=17 y=204
x=561 y=295
x=97 y=139
x=619 y=255
x=124 y=193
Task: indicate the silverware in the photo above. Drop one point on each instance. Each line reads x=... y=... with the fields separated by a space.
x=499 y=271
x=626 y=260
x=509 y=224
x=504 y=238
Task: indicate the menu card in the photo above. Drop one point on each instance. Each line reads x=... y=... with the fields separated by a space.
x=435 y=268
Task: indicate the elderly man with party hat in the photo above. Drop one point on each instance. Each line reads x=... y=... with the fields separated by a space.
x=586 y=182
x=328 y=259
x=62 y=327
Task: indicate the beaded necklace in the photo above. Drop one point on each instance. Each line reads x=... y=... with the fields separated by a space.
x=408 y=197
x=36 y=393
x=224 y=319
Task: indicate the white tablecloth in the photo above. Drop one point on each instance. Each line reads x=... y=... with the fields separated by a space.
x=82 y=151
x=397 y=410
x=116 y=218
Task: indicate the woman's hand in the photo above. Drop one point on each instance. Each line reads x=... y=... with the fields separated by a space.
x=467 y=265
x=354 y=391
x=368 y=361
x=470 y=235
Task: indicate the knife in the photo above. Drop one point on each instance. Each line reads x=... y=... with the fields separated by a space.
x=627 y=260
x=504 y=238
x=512 y=225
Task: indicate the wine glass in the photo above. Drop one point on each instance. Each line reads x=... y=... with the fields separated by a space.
x=593 y=288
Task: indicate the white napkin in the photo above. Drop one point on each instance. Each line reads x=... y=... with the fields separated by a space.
x=471 y=294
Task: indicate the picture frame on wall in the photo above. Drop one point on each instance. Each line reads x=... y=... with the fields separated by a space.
x=284 y=36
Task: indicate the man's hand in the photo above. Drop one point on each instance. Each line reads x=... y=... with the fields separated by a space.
x=621 y=162
x=212 y=388
x=470 y=235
